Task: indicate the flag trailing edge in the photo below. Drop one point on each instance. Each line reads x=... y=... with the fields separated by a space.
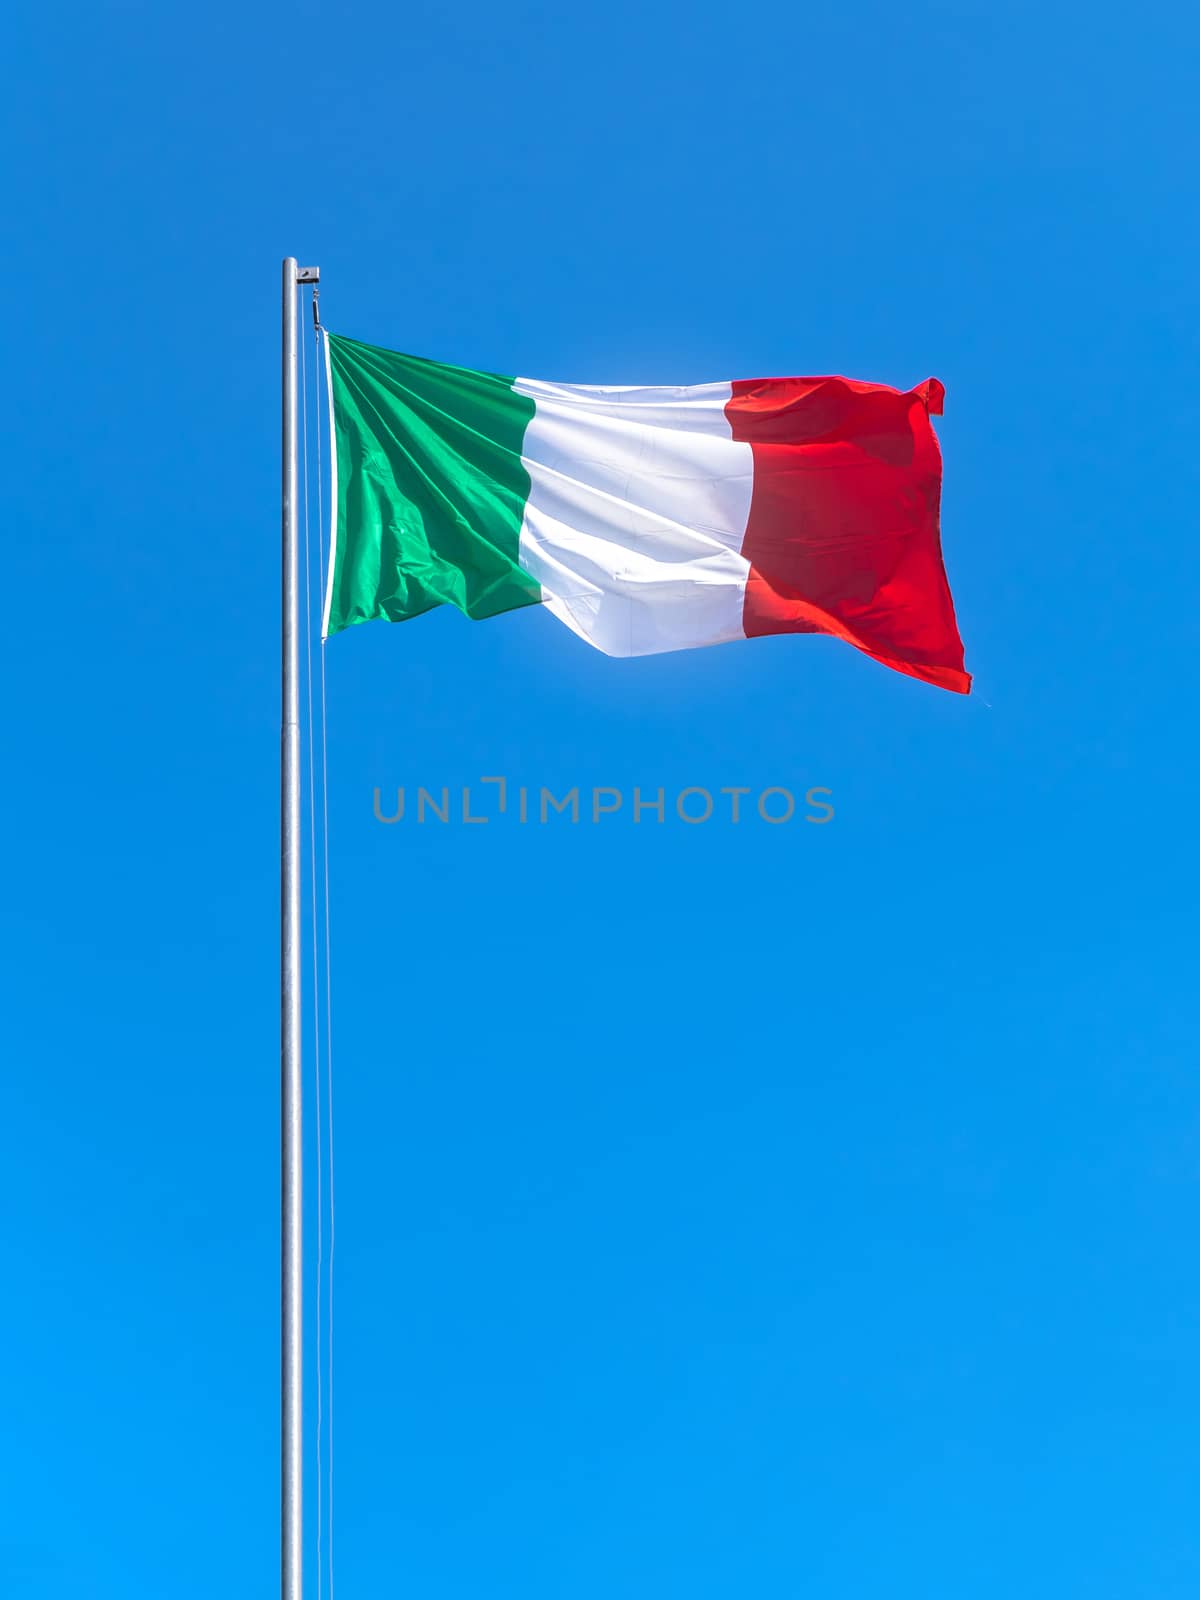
x=646 y=519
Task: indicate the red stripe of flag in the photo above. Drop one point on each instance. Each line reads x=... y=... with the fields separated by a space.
x=843 y=534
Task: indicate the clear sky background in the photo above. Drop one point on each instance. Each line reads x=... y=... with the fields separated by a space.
x=721 y=1211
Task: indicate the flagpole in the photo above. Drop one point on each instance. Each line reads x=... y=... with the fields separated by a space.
x=290 y=1097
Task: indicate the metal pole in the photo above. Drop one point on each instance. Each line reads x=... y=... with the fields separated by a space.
x=290 y=1099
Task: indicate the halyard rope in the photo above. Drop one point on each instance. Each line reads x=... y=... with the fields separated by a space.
x=312 y=882
x=328 y=948
x=318 y=813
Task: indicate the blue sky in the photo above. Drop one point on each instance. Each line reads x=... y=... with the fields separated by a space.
x=758 y=1211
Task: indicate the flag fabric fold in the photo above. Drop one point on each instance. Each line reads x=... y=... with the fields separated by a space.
x=645 y=518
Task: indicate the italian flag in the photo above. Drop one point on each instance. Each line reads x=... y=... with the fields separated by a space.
x=645 y=519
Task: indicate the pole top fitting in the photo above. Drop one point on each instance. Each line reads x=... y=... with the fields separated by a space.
x=308 y=274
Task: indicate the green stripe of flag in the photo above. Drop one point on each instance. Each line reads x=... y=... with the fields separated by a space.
x=431 y=489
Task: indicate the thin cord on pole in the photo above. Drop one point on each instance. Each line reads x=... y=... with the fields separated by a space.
x=312 y=860
x=328 y=963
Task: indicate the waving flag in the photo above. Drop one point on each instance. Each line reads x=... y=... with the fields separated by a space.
x=645 y=519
